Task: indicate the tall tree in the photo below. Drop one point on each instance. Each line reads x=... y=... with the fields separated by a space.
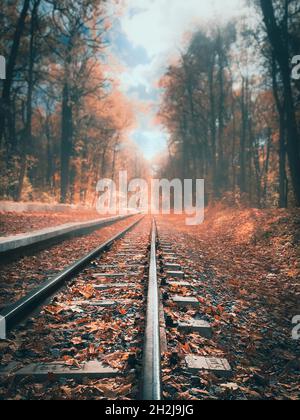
x=77 y=23
x=5 y=104
x=27 y=134
x=278 y=36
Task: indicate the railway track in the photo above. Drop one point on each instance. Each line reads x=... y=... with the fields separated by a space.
x=27 y=272
x=106 y=321
x=98 y=307
x=16 y=312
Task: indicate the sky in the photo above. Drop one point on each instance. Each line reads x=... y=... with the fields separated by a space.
x=144 y=39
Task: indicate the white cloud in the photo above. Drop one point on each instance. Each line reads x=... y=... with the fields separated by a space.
x=159 y=27
x=161 y=24
x=151 y=141
x=139 y=75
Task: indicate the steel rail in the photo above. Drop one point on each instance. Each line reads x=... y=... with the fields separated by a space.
x=17 y=312
x=151 y=387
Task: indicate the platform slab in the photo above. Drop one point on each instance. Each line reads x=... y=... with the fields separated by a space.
x=114 y=275
x=113 y=286
x=183 y=302
x=92 y=370
x=196 y=326
x=131 y=254
x=23 y=240
x=170 y=260
x=179 y=284
x=9 y=369
x=175 y=274
x=108 y=267
x=220 y=367
x=172 y=267
x=100 y=303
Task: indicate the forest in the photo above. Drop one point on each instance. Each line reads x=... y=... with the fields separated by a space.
x=232 y=107
x=104 y=294
x=230 y=103
x=63 y=121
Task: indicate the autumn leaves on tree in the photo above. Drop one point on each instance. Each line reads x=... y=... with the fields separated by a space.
x=232 y=109
x=62 y=119
x=229 y=103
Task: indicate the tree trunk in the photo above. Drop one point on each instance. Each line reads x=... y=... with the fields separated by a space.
x=222 y=167
x=213 y=130
x=258 y=175
x=283 y=197
x=281 y=54
x=49 y=154
x=283 y=181
x=66 y=143
x=7 y=83
x=267 y=165
x=27 y=139
x=233 y=157
x=243 y=140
